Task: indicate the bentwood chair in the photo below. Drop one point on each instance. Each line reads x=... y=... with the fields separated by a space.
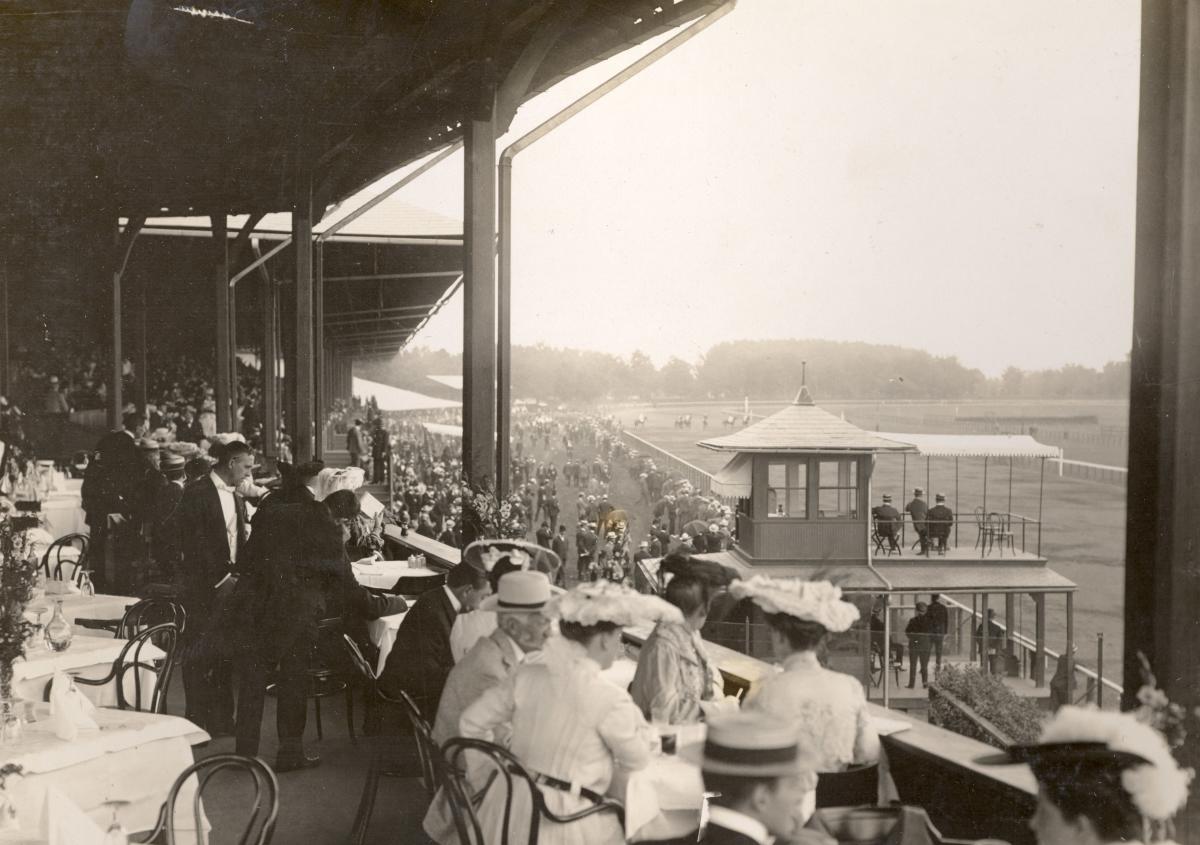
x=165 y=637
x=259 y=820
x=72 y=550
x=427 y=750
x=145 y=614
x=513 y=772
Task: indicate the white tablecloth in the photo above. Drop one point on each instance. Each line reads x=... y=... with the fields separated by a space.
x=383 y=634
x=382 y=574
x=88 y=657
x=63 y=512
x=133 y=757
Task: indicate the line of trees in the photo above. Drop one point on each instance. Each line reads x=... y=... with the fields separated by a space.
x=761 y=369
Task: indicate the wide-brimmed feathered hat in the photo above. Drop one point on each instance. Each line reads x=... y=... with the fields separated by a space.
x=813 y=601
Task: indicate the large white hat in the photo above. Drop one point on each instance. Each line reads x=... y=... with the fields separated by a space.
x=751 y=745
x=519 y=592
x=606 y=601
x=814 y=601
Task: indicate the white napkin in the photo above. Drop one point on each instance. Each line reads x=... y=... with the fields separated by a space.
x=66 y=824
x=70 y=710
x=718 y=707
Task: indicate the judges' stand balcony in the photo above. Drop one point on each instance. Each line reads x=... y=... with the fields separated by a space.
x=992 y=535
x=924 y=765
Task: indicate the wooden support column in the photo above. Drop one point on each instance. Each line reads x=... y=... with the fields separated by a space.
x=504 y=333
x=143 y=365
x=302 y=364
x=1010 y=622
x=1162 y=536
x=321 y=402
x=5 y=371
x=116 y=402
x=122 y=246
x=270 y=364
x=221 y=292
x=1039 y=640
x=479 y=301
x=984 y=646
x=1069 y=650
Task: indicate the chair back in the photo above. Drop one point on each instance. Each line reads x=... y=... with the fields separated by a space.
x=853 y=787
x=148 y=613
x=508 y=765
x=263 y=811
x=76 y=558
x=427 y=749
x=164 y=637
x=980 y=516
x=358 y=660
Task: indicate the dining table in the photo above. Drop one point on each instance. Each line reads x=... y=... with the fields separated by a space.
x=129 y=757
x=86 y=657
x=78 y=606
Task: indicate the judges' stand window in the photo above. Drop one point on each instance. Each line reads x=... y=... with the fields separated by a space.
x=787 y=490
x=837 y=494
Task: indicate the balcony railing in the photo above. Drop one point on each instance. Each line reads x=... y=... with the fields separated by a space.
x=994 y=533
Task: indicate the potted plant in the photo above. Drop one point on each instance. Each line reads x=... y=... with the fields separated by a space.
x=18 y=576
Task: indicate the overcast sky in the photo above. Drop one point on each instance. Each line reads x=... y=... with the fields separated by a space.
x=950 y=175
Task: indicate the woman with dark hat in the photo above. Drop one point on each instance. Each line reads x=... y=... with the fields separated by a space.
x=676 y=682
x=1103 y=778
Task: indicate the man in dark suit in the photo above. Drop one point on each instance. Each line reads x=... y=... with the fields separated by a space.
x=939 y=625
x=421 y=660
x=113 y=496
x=939 y=520
x=887 y=522
x=919 y=645
x=918 y=510
x=356 y=443
x=213 y=527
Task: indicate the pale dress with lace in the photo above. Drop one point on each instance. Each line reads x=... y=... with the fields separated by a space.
x=570 y=723
x=829 y=710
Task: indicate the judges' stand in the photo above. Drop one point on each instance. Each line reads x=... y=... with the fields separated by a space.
x=924 y=765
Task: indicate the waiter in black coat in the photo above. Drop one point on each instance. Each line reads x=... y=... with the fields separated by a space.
x=421 y=659
x=213 y=527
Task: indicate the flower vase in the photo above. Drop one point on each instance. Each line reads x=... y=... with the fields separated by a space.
x=10 y=707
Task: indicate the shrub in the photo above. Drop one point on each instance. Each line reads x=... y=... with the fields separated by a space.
x=1019 y=718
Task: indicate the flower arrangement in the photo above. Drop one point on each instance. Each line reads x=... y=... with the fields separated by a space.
x=18 y=575
x=487 y=516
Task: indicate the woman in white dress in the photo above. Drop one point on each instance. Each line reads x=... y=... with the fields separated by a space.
x=828 y=709
x=570 y=727
x=1103 y=778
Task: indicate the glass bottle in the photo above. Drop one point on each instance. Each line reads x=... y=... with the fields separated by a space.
x=86 y=588
x=58 y=630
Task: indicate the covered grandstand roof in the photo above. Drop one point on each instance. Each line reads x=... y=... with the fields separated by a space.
x=975 y=445
x=398 y=399
x=802 y=427
x=151 y=106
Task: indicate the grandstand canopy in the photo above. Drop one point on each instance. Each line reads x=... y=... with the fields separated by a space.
x=397 y=399
x=156 y=107
x=974 y=445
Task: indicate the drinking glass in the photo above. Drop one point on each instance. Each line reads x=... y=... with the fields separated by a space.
x=116 y=833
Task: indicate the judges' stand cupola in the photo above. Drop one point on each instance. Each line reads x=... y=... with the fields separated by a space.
x=804 y=477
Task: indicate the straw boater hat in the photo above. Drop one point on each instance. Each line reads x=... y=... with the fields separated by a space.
x=887 y=498
x=750 y=745
x=607 y=601
x=520 y=592
x=813 y=601
x=939 y=498
x=1082 y=742
x=918 y=491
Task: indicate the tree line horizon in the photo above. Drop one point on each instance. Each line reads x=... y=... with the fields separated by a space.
x=762 y=370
